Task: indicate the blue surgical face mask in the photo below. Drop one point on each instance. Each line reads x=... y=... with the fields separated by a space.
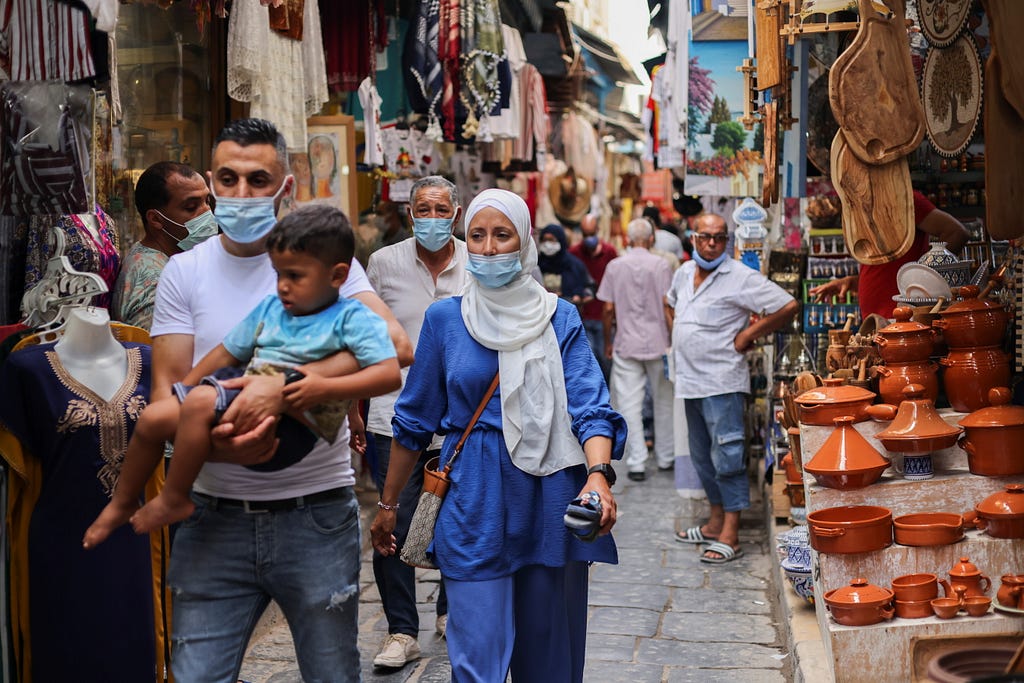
x=590 y=242
x=494 y=271
x=432 y=233
x=705 y=264
x=200 y=229
x=247 y=219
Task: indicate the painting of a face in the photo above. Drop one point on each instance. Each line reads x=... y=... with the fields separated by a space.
x=321 y=156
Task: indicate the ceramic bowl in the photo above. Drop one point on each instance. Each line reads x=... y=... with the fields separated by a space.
x=913 y=609
x=801 y=580
x=945 y=608
x=918 y=280
x=850 y=529
x=928 y=528
x=977 y=605
x=798 y=515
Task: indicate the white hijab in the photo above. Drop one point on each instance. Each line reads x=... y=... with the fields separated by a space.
x=515 y=321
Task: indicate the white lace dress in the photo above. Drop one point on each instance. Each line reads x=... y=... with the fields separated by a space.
x=284 y=80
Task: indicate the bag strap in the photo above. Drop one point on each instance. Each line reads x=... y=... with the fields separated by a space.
x=472 y=422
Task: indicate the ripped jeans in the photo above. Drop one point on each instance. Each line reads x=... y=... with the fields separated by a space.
x=717 y=447
x=227 y=564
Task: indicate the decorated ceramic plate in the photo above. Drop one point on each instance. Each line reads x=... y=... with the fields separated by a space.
x=942 y=20
x=918 y=280
x=951 y=93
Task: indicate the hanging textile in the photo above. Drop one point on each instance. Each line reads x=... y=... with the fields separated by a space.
x=483 y=49
x=422 y=63
x=449 y=52
x=353 y=31
x=49 y=40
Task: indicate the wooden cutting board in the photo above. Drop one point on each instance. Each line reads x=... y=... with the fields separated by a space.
x=769 y=48
x=873 y=91
x=878 y=206
x=1004 y=170
x=1006 y=18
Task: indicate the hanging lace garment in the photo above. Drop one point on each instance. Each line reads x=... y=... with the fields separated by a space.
x=284 y=80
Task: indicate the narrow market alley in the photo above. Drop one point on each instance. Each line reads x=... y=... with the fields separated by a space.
x=660 y=615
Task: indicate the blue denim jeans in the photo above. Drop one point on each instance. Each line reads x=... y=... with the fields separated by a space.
x=228 y=564
x=595 y=335
x=396 y=581
x=717 y=447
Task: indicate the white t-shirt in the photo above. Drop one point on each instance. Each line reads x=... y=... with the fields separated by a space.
x=205 y=292
x=403 y=282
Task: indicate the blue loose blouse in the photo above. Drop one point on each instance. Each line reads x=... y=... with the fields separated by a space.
x=497 y=518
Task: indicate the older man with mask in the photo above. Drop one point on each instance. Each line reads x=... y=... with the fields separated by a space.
x=711 y=300
x=292 y=535
x=173 y=202
x=409 y=277
x=596 y=254
x=632 y=292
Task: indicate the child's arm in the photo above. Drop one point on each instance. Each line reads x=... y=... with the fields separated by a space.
x=216 y=359
x=373 y=380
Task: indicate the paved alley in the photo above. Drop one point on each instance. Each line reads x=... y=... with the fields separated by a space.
x=659 y=616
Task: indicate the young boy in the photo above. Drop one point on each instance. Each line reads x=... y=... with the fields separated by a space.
x=311 y=250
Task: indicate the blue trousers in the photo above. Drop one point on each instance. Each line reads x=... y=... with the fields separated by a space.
x=396 y=581
x=532 y=623
x=717 y=447
x=595 y=335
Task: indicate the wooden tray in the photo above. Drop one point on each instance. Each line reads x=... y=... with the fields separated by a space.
x=1004 y=172
x=878 y=207
x=873 y=90
x=951 y=93
x=1005 y=18
x=770 y=185
x=768 y=23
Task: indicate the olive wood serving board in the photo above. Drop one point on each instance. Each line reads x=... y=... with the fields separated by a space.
x=878 y=206
x=770 y=185
x=873 y=90
x=1004 y=152
x=767 y=24
x=1006 y=19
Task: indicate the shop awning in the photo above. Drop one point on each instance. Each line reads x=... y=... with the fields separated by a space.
x=607 y=56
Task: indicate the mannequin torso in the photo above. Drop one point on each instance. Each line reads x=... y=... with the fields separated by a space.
x=90 y=354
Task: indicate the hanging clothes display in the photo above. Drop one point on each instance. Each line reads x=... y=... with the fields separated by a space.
x=421 y=61
x=64 y=445
x=506 y=124
x=390 y=77
x=48 y=40
x=670 y=87
x=370 y=102
x=352 y=33
x=284 y=80
x=483 y=50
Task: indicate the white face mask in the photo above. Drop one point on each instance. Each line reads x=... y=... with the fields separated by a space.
x=549 y=248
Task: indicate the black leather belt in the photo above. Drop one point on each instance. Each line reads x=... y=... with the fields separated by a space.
x=280 y=505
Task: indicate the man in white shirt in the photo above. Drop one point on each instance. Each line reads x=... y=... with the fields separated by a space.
x=632 y=291
x=291 y=536
x=710 y=301
x=409 y=277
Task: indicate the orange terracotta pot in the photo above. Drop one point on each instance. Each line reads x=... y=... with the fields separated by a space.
x=970 y=373
x=846 y=460
x=822 y=405
x=965 y=578
x=905 y=341
x=973 y=321
x=860 y=604
x=1011 y=591
x=928 y=528
x=893 y=378
x=917 y=428
x=993 y=437
x=850 y=529
x=1001 y=515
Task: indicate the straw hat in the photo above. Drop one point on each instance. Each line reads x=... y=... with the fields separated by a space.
x=570 y=196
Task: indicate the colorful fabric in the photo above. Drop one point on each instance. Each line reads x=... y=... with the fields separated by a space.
x=483 y=49
x=135 y=291
x=422 y=63
x=449 y=52
x=49 y=40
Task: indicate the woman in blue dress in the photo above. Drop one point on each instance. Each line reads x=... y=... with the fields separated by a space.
x=516 y=577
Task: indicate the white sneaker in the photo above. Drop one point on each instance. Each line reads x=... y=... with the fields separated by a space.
x=441 y=625
x=398 y=650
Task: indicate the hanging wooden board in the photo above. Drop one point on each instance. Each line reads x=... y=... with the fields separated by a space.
x=770 y=185
x=1005 y=20
x=942 y=20
x=873 y=91
x=767 y=24
x=951 y=94
x=878 y=206
x=1004 y=168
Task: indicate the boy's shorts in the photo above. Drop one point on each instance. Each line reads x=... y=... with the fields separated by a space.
x=297 y=440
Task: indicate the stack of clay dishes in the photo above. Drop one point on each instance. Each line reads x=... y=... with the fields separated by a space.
x=993 y=437
x=846 y=460
x=974 y=329
x=917 y=428
x=906 y=347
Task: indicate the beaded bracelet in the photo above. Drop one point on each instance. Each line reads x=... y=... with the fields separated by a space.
x=382 y=506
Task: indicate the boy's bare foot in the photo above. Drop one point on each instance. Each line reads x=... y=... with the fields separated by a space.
x=112 y=516
x=160 y=512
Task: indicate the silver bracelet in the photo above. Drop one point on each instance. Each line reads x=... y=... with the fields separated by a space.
x=382 y=506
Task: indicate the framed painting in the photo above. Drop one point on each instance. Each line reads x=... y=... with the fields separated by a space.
x=326 y=172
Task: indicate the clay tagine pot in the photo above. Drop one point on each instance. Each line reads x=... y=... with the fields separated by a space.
x=822 y=405
x=905 y=341
x=970 y=373
x=917 y=428
x=1001 y=515
x=964 y=574
x=993 y=436
x=846 y=460
x=860 y=603
x=973 y=321
x=894 y=377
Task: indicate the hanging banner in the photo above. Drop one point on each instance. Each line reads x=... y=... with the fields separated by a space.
x=722 y=157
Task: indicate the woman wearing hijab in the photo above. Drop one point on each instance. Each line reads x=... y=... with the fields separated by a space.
x=564 y=274
x=516 y=577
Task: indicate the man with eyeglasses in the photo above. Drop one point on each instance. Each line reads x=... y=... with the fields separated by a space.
x=710 y=303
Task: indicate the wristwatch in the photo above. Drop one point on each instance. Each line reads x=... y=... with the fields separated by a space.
x=606 y=470
x=293 y=375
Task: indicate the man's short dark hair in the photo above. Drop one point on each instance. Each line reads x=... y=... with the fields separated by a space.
x=318 y=230
x=653 y=214
x=151 y=188
x=245 y=132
